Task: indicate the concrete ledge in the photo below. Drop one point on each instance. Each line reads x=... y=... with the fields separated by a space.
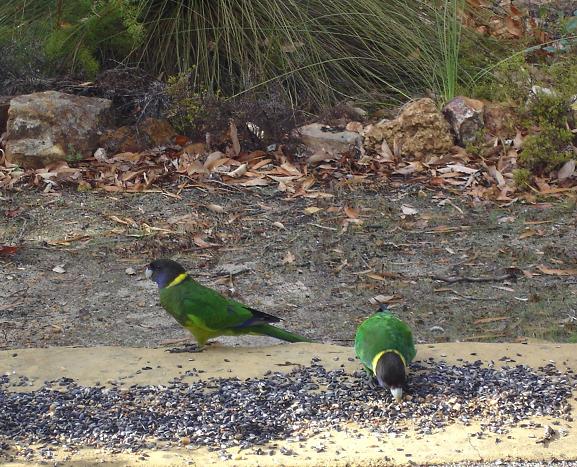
x=453 y=444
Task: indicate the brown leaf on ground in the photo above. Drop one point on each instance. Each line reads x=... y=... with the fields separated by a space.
x=351 y=212
x=288 y=258
x=490 y=319
x=6 y=250
x=556 y=272
x=200 y=242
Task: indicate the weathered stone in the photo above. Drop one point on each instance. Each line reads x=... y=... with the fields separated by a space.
x=123 y=139
x=4 y=106
x=419 y=131
x=321 y=138
x=160 y=132
x=48 y=126
x=465 y=116
x=499 y=120
x=136 y=138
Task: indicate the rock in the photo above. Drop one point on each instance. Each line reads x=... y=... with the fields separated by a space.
x=123 y=139
x=150 y=133
x=321 y=138
x=499 y=120
x=160 y=132
x=465 y=116
x=48 y=126
x=419 y=131
x=4 y=106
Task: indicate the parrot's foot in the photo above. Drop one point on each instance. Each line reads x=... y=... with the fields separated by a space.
x=187 y=348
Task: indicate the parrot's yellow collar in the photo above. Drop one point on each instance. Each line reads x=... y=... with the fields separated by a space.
x=380 y=354
x=177 y=280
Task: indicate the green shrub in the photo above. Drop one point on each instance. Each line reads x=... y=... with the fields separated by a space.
x=546 y=150
x=317 y=52
x=186 y=110
x=80 y=36
x=522 y=178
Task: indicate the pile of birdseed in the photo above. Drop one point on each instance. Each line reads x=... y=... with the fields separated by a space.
x=220 y=413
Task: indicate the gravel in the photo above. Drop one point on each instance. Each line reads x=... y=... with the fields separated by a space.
x=221 y=413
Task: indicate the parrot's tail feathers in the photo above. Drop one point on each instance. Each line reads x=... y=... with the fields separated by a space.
x=259 y=317
x=278 y=333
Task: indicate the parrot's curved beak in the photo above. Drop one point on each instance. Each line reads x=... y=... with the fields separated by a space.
x=148 y=273
x=397 y=393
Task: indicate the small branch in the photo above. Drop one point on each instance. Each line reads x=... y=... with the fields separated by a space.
x=455 y=279
x=467 y=297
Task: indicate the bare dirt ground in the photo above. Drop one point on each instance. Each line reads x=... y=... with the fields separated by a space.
x=287 y=258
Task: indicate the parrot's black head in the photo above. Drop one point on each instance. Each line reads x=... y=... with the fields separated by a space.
x=390 y=372
x=164 y=271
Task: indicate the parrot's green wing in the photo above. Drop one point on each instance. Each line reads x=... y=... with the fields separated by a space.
x=383 y=331
x=193 y=304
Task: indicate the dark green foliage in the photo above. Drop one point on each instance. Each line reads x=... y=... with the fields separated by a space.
x=315 y=53
x=546 y=150
x=542 y=93
x=79 y=36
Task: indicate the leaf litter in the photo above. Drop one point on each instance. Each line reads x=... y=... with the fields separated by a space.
x=175 y=168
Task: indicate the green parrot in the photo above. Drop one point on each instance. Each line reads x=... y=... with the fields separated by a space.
x=385 y=346
x=205 y=312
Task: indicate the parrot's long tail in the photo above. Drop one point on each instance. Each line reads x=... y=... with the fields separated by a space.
x=272 y=331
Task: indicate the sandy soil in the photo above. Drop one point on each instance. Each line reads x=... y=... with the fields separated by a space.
x=356 y=447
x=95 y=237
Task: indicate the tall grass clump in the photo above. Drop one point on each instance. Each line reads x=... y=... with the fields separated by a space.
x=317 y=52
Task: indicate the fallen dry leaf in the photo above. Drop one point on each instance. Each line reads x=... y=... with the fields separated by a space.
x=408 y=210
x=67 y=241
x=409 y=169
x=215 y=207
x=383 y=276
x=531 y=233
x=490 y=320
x=497 y=175
x=212 y=158
x=238 y=172
x=311 y=210
x=556 y=272
x=8 y=249
x=288 y=258
x=351 y=212
x=256 y=182
x=379 y=299
x=320 y=157
x=386 y=152
x=202 y=243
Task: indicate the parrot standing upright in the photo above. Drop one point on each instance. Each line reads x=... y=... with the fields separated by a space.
x=205 y=312
x=385 y=346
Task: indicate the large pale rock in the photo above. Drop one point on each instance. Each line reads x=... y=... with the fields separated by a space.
x=419 y=131
x=48 y=126
x=321 y=138
x=465 y=116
